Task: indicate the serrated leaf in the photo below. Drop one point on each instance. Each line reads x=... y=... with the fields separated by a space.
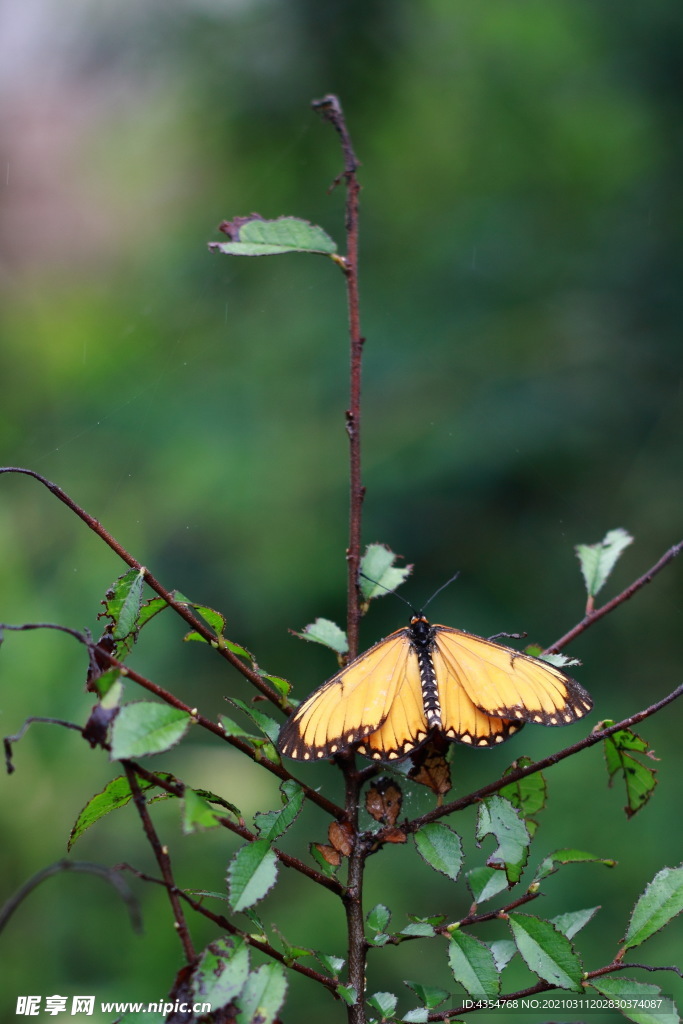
x=332 y=964
x=573 y=921
x=254 y=236
x=499 y=818
x=550 y=864
x=251 y=874
x=221 y=973
x=473 y=966
x=639 y=779
x=122 y=602
x=383 y=1002
x=484 y=883
x=326 y=632
x=661 y=901
x=427 y=994
x=626 y=990
x=267 y=725
x=283 y=686
x=420 y=1015
x=503 y=951
x=197 y=812
x=378 y=575
x=528 y=794
x=348 y=994
x=419 y=928
x=105 y=682
x=546 y=951
x=146 y=727
x=598 y=560
x=115 y=794
x=378 y=918
x=271 y=824
x=231 y=728
x=263 y=994
x=441 y=848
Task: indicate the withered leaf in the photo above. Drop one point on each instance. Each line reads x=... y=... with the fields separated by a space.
x=383 y=801
x=431 y=769
x=329 y=853
x=340 y=834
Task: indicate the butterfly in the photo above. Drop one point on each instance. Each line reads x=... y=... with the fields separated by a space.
x=422 y=680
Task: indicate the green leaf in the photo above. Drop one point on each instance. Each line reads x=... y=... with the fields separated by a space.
x=427 y=994
x=327 y=869
x=107 y=682
x=661 y=901
x=441 y=848
x=503 y=951
x=420 y=928
x=598 y=560
x=283 y=686
x=485 y=883
x=639 y=779
x=332 y=964
x=271 y=824
x=473 y=966
x=267 y=725
x=221 y=972
x=573 y=921
x=658 y=1009
x=122 y=602
x=378 y=918
x=263 y=994
x=251 y=874
x=146 y=727
x=529 y=794
x=326 y=632
x=383 y=1002
x=115 y=794
x=231 y=728
x=546 y=952
x=254 y=236
x=348 y=994
x=197 y=812
x=420 y=1015
x=378 y=574
x=550 y=864
x=499 y=818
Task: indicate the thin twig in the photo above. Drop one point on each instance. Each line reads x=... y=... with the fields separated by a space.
x=178 y=789
x=605 y=609
x=521 y=773
x=110 y=875
x=178 y=607
x=162 y=859
x=206 y=723
x=228 y=926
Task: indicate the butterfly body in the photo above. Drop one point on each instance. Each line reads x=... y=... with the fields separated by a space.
x=423 y=679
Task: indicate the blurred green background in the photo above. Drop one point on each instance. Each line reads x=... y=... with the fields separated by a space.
x=520 y=265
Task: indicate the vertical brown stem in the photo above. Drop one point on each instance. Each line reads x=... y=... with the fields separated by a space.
x=330 y=108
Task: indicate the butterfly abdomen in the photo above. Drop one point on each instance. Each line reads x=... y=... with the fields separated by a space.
x=422 y=641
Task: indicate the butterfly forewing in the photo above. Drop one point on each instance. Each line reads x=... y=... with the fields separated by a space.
x=351 y=705
x=507 y=684
x=406 y=727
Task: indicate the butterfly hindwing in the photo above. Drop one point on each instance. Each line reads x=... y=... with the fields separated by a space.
x=505 y=683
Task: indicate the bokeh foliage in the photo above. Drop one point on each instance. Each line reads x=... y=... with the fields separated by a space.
x=520 y=295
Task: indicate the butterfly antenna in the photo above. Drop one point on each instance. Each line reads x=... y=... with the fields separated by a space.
x=388 y=590
x=442 y=587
